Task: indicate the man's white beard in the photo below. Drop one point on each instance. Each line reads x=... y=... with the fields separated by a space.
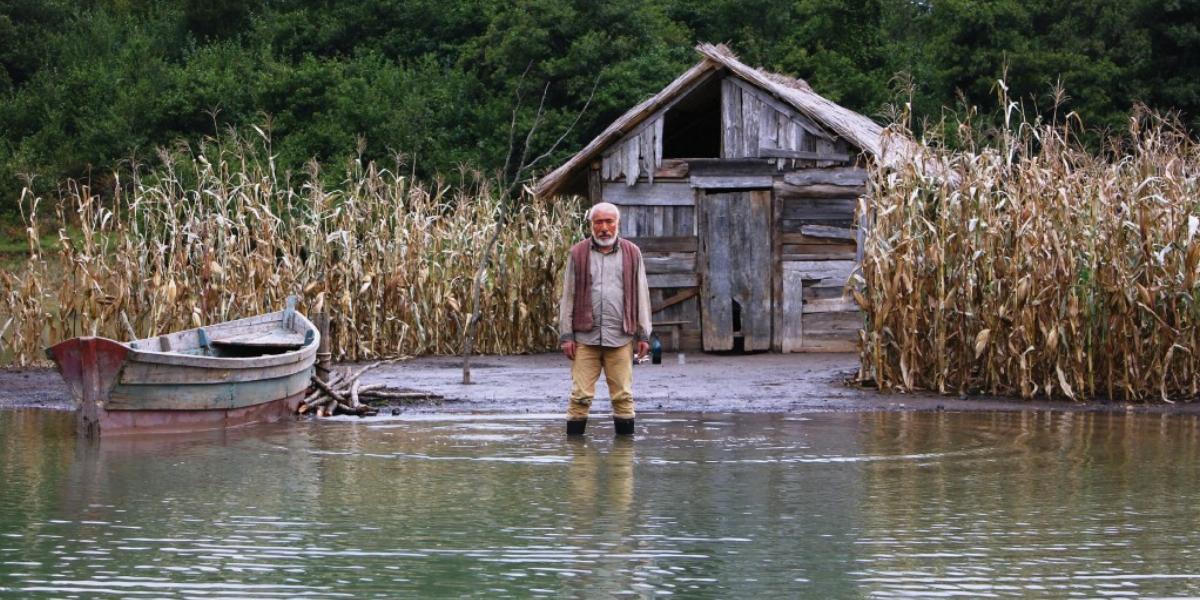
x=605 y=243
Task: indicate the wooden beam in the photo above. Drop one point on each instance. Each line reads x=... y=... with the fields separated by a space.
x=676 y=168
x=841 y=209
x=663 y=193
x=802 y=154
x=732 y=182
x=675 y=262
x=595 y=183
x=848 y=176
x=826 y=305
x=667 y=244
x=721 y=167
x=676 y=299
x=793 y=256
x=672 y=280
x=825 y=231
x=793 y=194
x=822 y=273
x=753 y=259
x=791 y=331
x=632 y=161
x=818 y=251
x=819 y=191
x=777 y=312
x=749 y=119
x=799 y=238
x=731 y=119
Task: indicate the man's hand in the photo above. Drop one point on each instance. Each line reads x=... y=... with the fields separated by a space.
x=643 y=349
x=568 y=349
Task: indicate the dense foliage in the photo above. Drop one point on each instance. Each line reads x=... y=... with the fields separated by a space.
x=85 y=85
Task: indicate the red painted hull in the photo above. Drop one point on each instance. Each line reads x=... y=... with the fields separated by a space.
x=124 y=422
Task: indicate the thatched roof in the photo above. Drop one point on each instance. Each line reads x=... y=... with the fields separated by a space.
x=857 y=129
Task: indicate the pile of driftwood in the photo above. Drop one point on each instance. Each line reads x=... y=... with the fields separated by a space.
x=344 y=394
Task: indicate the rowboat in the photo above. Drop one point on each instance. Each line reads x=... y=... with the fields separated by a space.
x=228 y=374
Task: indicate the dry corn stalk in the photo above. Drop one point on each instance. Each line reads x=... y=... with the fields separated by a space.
x=1036 y=268
x=216 y=234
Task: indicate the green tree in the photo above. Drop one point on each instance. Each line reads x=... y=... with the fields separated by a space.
x=1169 y=75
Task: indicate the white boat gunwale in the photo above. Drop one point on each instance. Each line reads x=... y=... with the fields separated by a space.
x=175 y=358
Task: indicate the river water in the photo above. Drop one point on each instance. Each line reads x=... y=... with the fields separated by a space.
x=850 y=505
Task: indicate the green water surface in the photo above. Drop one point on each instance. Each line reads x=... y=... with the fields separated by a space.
x=698 y=506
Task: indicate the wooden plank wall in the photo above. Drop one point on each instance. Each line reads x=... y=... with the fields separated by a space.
x=814 y=248
x=661 y=219
x=765 y=142
x=818 y=248
x=734 y=232
x=638 y=154
x=757 y=125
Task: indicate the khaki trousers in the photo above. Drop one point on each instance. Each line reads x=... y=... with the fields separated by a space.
x=617 y=364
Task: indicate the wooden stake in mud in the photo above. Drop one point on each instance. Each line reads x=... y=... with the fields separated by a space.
x=324 y=357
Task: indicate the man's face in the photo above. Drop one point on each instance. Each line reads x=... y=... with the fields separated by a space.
x=604 y=227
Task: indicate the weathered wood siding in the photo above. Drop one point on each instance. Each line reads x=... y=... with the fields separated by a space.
x=660 y=217
x=665 y=208
x=736 y=261
x=808 y=249
x=638 y=153
x=818 y=246
x=810 y=245
x=757 y=125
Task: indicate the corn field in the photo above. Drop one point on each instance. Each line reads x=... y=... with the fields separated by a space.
x=214 y=233
x=1036 y=268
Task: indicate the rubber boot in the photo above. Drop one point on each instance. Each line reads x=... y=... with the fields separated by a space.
x=576 y=426
x=623 y=426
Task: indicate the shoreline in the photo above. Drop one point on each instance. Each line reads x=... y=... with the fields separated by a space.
x=757 y=383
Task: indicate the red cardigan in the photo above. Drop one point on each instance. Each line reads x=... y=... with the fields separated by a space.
x=631 y=258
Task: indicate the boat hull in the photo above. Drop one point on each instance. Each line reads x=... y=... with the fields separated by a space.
x=121 y=389
x=124 y=422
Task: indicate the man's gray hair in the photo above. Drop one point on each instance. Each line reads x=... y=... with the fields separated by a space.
x=602 y=206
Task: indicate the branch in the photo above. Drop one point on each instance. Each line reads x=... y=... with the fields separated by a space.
x=537 y=120
x=567 y=132
x=473 y=320
x=512 y=126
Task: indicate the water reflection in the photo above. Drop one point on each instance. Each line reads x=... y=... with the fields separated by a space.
x=599 y=513
x=1051 y=504
x=709 y=506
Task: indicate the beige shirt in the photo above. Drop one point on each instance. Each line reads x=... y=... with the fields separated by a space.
x=608 y=302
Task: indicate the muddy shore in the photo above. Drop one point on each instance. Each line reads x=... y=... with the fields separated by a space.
x=761 y=383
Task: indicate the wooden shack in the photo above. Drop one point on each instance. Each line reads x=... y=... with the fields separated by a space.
x=740 y=187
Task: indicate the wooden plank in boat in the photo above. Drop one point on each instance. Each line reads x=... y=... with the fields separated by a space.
x=277 y=338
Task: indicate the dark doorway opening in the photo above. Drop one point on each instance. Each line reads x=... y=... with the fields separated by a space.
x=692 y=128
x=737 y=318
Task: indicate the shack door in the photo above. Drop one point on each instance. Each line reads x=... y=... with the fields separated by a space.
x=735 y=292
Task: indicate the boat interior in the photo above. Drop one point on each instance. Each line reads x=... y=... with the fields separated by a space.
x=257 y=336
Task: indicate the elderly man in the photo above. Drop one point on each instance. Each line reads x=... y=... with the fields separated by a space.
x=603 y=312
